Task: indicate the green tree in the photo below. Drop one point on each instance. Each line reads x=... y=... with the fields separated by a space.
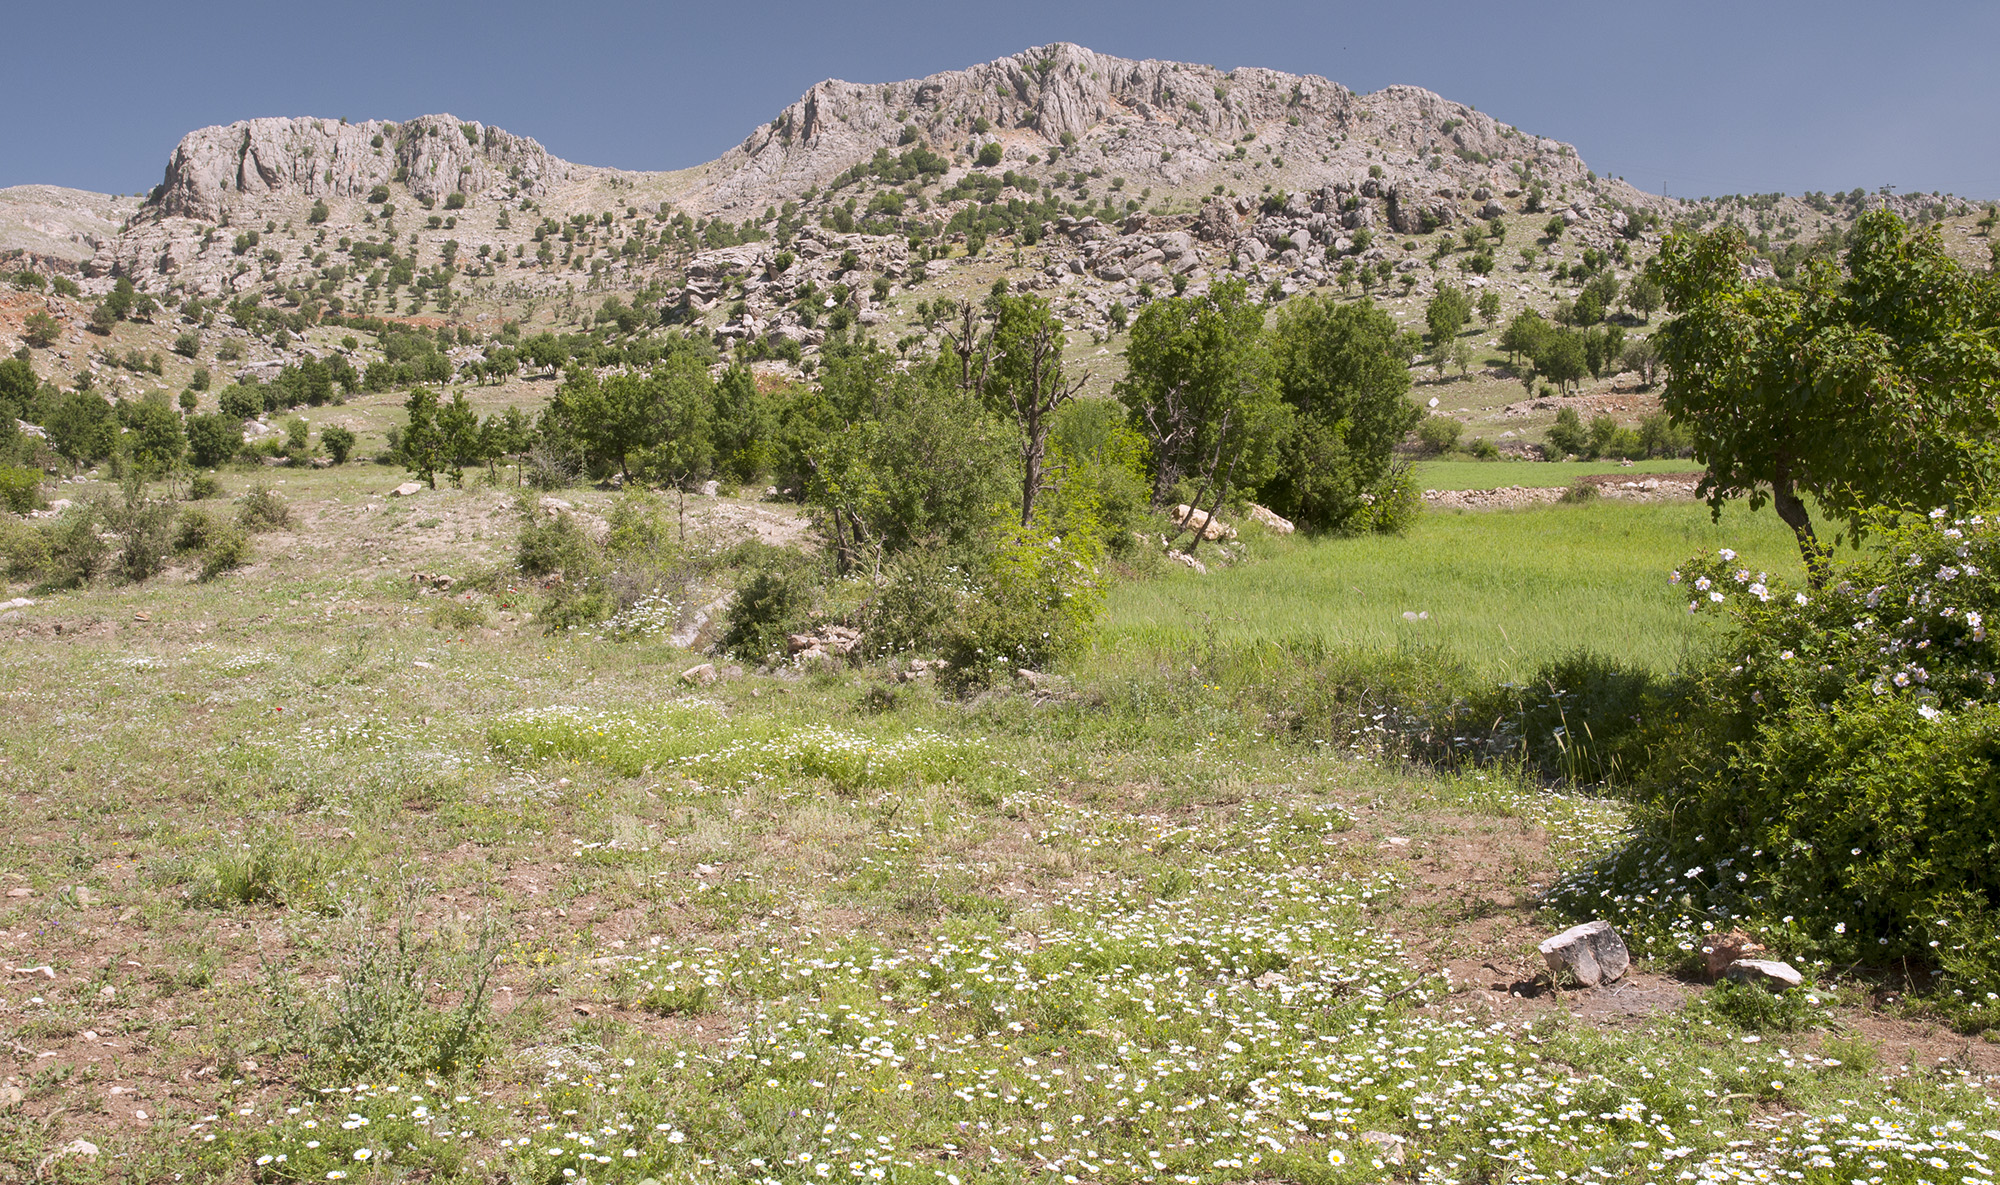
x=212 y=439
x=1201 y=388
x=1643 y=295
x=1445 y=315
x=319 y=213
x=18 y=389
x=40 y=330
x=1345 y=377
x=888 y=460
x=1869 y=384
x=1563 y=359
x=989 y=155
x=678 y=406
x=1489 y=306
x=460 y=442
x=240 y=403
x=155 y=436
x=422 y=445
x=82 y=427
x=745 y=425
x=1016 y=367
x=1567 y=436
x=545 y=353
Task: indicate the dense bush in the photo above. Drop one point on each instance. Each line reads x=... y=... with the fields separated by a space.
x=772 y=602
x=1834 y=776
x=1439 y=434
x=20 y=488
x=263 y=509
x=1035 y=602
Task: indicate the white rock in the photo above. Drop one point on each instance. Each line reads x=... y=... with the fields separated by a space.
x=407 y=489
x=1589 y=954
x=1270 y=520
x=1771 y=973
x=700 y=676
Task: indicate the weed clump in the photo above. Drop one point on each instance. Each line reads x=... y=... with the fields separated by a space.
x=378 y=1018
x=263 y=509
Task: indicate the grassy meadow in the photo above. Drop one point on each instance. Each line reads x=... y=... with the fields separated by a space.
x=315 y=874
x=1501 y=591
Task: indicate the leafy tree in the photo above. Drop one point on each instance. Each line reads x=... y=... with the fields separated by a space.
x=1562 y=358
x=1200 y=387
x=1446 y=314
x=240 y=402
x=989 y=155
x=1644 y=357
x=545 y=353
x=1345 y=377
x=211 y=439
x=155 y=435
x=744 y=424
x=82 y=427
x=319 y=213
x=1489 y=306
x=460 y=442
x=18 y=388
x=889 y=460
x=40 y=330
x=1016 y=367
x=1643 y=295
x=422 y=444
x=1869 y=384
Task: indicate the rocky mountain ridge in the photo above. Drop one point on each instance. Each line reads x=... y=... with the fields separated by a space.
x=1099 y=180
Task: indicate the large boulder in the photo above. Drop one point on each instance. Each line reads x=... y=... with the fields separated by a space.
x=1587 y=955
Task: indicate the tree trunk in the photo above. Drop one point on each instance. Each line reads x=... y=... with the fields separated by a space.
x=1792 y=510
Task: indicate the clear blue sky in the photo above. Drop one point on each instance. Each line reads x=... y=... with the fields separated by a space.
x=1689 y=98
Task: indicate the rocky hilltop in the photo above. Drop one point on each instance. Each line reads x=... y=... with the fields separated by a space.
x=1100 y=181
x=1109 y=134
x=218 y=169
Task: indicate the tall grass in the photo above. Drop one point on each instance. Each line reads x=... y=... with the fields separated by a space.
x=1500 y=592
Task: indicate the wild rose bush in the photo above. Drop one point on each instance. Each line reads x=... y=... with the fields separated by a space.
x=1833 y=780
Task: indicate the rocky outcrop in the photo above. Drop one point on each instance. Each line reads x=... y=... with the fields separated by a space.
x=435 y=155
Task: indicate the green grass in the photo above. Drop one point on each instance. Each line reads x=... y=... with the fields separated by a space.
x=1491 y=475
x=1504 y=591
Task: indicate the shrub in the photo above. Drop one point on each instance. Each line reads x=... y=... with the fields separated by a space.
x=554 y=546
x=1439 y=434
x=1566 y=436
x=195 y=531
x=263 y=509
x=145 y=538
x=923 y=597
x=771 y=603
x=1036 y=601
x=212 y=439
x=228 y=549
x=74 y=550
x=1394 y=503
x=339 y=443
x=1580 y=491
x=24 y=549
x=1833 y=779
x=20 y=488
x=203 y=486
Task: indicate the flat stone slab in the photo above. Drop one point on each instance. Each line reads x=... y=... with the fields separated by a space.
x=1589 y=954
x=1770 y=973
